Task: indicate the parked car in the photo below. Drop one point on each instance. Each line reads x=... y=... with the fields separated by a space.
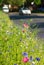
x=5 y=8
x=25 y=11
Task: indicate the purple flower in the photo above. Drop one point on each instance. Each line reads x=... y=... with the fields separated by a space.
x=38 y=59
x=31 y=58
x=25 y=54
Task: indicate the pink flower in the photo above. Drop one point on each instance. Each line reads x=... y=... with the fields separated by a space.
x=25 y=59
x=25 y=25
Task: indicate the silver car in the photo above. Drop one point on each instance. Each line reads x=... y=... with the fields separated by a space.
x=25 y=11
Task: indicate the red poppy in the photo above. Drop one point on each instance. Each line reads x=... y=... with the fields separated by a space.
x=25 y=59
x=26 y=25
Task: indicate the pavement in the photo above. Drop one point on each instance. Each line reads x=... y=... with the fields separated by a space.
x=37 y=14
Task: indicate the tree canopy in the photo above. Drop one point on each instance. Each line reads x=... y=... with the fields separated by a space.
x=14 y=2
x=37 y=2
x=20 y=2
x=1 y=1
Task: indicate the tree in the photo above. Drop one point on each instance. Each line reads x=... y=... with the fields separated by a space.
x=42 y=3
x=37 y=2
x=28 y=2
x=19 y=2
x=14 y=2
x=1 y=1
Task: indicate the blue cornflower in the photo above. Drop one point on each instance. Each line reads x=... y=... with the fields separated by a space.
x=38 y=59
x=25 y=54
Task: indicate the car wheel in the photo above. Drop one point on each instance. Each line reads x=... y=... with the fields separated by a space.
x=20 y=13
x=29 y=14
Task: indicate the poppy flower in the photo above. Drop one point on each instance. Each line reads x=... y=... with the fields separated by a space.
x=25 y=25
x=25 y=54
x=25 y=59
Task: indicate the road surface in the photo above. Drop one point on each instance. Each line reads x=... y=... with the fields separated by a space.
x=32 y=19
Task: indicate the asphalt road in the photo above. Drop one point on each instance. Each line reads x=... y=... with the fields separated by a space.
x=17 y=16
x=33 y=19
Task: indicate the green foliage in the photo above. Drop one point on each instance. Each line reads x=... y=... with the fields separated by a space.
x=13 y=42
x=14 y=2
x=29 y=1
x=1 y=1
x=37 y=2
x=19 y=2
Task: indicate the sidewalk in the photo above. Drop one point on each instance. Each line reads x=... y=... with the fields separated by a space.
x=13 y=13
x=38 y=14
x=33 y=14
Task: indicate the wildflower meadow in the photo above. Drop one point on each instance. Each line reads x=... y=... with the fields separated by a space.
x=19 y=46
